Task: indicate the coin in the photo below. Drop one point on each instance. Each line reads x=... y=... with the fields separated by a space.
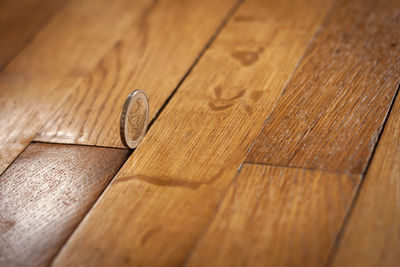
x=134 y=118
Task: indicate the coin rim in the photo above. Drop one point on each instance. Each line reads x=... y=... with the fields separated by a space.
x=128 y=142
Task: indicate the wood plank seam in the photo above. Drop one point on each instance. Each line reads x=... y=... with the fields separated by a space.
x=71 y=144
x=381 y=131
x=295 y=167
x=205 y=229
x=212 y=39
x=12 y=162
x=339 y=236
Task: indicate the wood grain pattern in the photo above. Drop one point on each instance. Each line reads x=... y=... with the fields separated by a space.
x=372 y=234
x=154 y=56
x=50 y=67
x=335 y=104
x=276 y=216
x=44 y=195
x=20 y=21
x=169 y=188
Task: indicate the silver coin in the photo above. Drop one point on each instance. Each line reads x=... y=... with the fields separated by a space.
x=134 y=118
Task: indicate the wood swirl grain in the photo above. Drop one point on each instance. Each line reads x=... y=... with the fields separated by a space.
x=371 y=237
x=154 y=55
x=335 y=104
x=167 y=191
x=276 y=216
x=20 y=22
x=45 y=193
x=38 y=80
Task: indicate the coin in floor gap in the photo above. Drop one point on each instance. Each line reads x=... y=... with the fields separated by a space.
x=134 y=118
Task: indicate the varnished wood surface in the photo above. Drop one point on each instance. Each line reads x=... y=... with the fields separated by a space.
x=316 y=102
x=334 y=106
x=154 y=55
x=45 y=193
x=167 y=191
x=371 y=236
x=20 y=21
x=276 y=216
x=39 y=78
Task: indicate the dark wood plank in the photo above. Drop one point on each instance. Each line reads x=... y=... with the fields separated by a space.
x=334 y=106
x=372 y=234
x=39 y=79
x=148 y=57
x=20 y=21
x=276 y=216
x=45 y=193
x=167 y=191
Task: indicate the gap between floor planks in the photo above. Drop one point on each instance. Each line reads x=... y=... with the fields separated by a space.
x=353 y=203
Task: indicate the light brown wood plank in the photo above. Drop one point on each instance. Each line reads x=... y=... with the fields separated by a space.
x=50 y=67
x=20 y=21
x=45 y=193
x=157 y=206
x=154 y=56
x=371 y=236
x=276 y=216
x=335 y=104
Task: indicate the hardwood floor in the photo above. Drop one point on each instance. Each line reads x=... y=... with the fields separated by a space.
x=274 y=137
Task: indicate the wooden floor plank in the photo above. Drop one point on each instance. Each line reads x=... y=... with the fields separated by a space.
x=167 y=191
x=45 y=193
x=20 y=21
x=334 y=106
x=154 y=56
x=276 y=216
x=35 y=82
x=372 y=234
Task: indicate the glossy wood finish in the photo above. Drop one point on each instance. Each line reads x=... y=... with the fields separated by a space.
x=167 y=191
x=20 y=22
x=372 y=234
x=276 y=216
x=45 y=193
x=50 y=67
x=154 y=55
x=334 y=106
